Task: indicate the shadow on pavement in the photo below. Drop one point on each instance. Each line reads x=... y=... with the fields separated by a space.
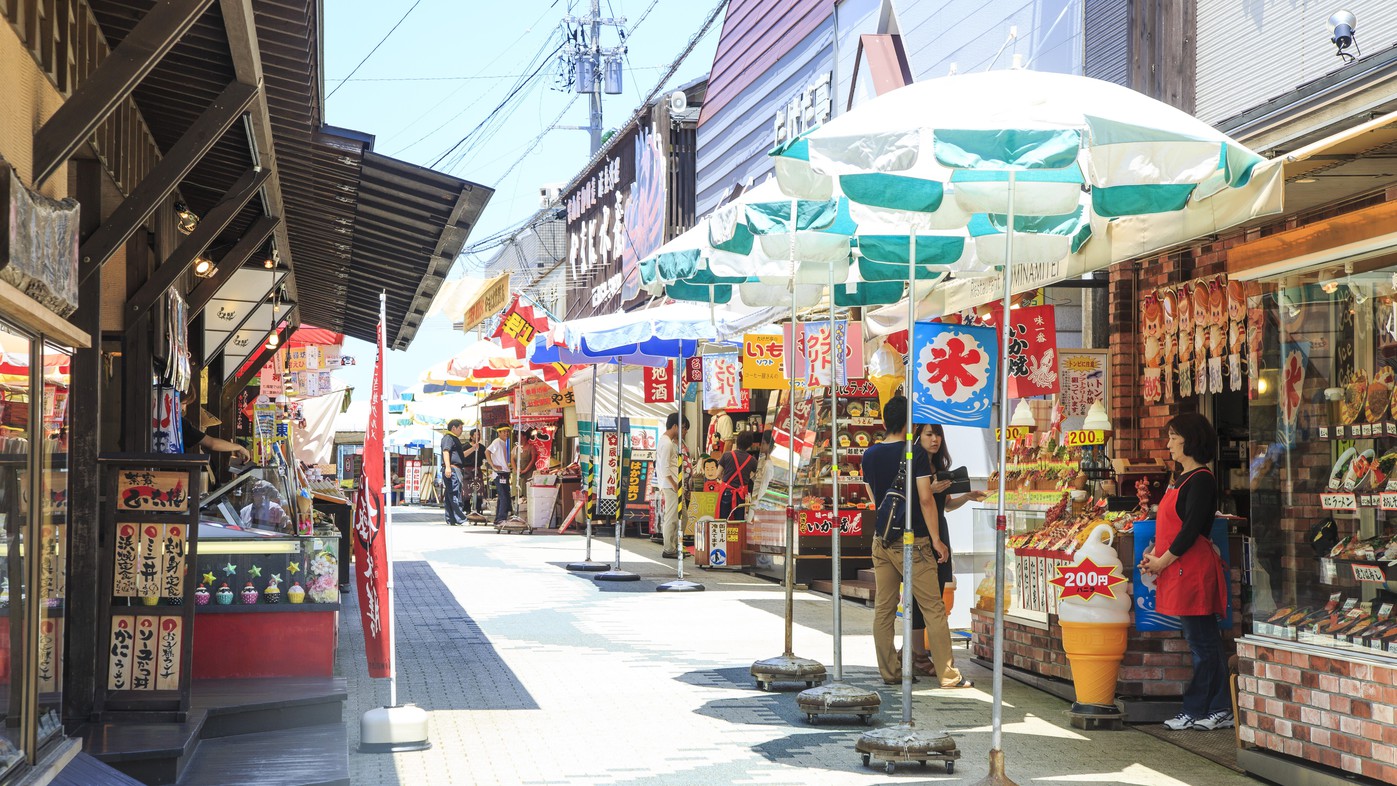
x=434 y=629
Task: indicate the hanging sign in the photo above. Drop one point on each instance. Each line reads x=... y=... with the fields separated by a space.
x=762 y=361
x=160 y=491
x=693 y=369
x=722 y=383
x=813 y=358
x=269 y=382
x=953 y=383
x=659 y=383
x=296 y=359
x=610 y=466
x=492 y=298
x=1081 y=377
x=1032 y=350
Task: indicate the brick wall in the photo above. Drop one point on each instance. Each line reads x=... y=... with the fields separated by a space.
x=1330 y=711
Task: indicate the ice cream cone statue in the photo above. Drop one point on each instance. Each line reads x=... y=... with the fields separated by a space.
x=1094 y=611
x=886 y=372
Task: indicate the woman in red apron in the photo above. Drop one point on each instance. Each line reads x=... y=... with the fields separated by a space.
x=736 y=467
x=1191 y=581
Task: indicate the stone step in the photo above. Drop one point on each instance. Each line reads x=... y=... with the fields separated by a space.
x=857 y=589
x=866 y=575
x=286 y=757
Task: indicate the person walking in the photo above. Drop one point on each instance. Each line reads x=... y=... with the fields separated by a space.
x=453 y=464
x=880 y=467
x=498 y=455
x=736 y=468
x=931 y=439
x=1190 y=578
x=667 y=465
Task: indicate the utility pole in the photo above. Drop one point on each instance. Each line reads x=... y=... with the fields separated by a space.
x=590 y=67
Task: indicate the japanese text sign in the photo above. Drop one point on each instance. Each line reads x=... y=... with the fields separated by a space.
x=659 y=384
x=722 y=383
x=762 y=356
x=1087 y=579
x=1032 y=350
x=693 y=370
x=610 y=475
x=955 y=368
x=814 y=359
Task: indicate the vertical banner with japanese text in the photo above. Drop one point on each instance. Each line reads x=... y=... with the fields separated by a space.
x=1032 y=350
x=370 y=550
x=659 y=383
x=954 y=374
x=813 y=359
x=762 y=355
x=722 y=383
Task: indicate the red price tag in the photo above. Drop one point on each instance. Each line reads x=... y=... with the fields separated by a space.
x=1087 y=579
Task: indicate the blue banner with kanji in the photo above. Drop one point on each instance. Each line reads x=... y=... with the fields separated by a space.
x=954 y=369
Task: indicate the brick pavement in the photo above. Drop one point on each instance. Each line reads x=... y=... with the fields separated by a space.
x=535 y=676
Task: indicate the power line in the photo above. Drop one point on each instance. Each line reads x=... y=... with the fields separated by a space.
x=464 y=78
x=385 y=37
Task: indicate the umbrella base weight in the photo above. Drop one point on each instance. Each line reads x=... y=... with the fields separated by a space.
x=680 y=585
x=907 y=743
x=838 y=698
x=1096 y=717
x=514 y=525
x=617 y=575
x=788 y=668
x=588 y=567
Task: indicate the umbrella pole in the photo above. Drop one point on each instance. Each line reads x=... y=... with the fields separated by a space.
x=836 y=697
x=616 y=574
x=787 y=667
x=680 y=584
x=587 y=565
x=905 y=742
x=996 y=775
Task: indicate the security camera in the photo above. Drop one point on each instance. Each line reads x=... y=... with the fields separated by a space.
x=1342 y=23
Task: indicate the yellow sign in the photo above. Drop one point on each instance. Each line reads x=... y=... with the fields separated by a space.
x=492 y=298
x=1090 y=436
x=1015 y=432
x=761 y=361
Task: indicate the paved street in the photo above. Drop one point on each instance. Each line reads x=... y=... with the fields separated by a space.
x=533 y=675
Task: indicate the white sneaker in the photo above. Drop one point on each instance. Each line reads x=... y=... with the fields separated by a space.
x=1222 y=719
x=1181 y=721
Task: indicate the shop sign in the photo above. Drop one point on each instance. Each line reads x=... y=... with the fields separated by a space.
x=616 y=217
x=762 y=355
x=966 y=293
x=805 y=111
x=722 y=383
x=858 y=388
x=821 y=522
x=659 y=383
x=1015 y=432
x=1032 y=350
x=610 y=480
x=693 y=370
x=269 y=382
x=537 y=400
x=1084 y=437
x=492 y=298
x=1086 y=579
x=153 y=490
x=1081 y=380
x=38 y=244
x=637 y=481
x=296 y=359
x=954 y=372
x=646 y=438
x=814 y=358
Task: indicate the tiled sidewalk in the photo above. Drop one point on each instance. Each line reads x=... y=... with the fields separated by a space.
x=535 y=676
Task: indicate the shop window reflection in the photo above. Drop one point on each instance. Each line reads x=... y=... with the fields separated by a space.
x=15 y=420
x=53 y=539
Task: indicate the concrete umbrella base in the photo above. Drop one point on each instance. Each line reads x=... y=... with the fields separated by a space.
x=905 y=742
x=588 y=567
x=838 y=698
x=788 y=668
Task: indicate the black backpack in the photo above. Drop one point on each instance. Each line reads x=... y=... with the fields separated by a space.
x=892 y=510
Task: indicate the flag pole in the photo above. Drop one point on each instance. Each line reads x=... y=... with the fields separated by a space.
x=396 y=727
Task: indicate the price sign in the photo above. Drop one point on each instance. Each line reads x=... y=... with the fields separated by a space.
x=1087 y=579
x=1338 y=501
x=1083 y=437
x=1372 y=574
x=1015 y=432
x=1388 y=500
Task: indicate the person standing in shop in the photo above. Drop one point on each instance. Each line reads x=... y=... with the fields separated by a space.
x=1190 y=578
x=498 y=455
x=880 y=468
x=667 y=465
x=453 y=466
x=736 y=468
x=471 y=493
x=720 y=432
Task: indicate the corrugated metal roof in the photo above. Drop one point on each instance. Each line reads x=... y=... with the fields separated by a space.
x=756 y=34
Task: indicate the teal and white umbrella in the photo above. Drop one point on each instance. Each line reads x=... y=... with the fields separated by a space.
x=1056 y=170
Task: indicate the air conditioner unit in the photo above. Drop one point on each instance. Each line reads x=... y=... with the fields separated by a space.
x=548 y=194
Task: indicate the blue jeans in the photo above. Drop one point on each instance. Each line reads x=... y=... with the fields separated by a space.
x=1208 y=691
x=452 y=502
x=503 y=508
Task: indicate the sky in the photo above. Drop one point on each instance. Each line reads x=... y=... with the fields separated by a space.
x=439 y=75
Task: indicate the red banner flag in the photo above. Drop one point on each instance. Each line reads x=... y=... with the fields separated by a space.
x=1032 y=350
x=370 y=550
x=659 y=384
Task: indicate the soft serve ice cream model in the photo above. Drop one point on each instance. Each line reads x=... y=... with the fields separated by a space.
x=1094 y=611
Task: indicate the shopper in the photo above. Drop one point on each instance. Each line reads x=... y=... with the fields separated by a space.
x=736 y=468
x=931 y=438
x=498 y=455
x=671 y=482
x=880 y=466
x=453 y=465
x=471 y=493
x=1190 y=579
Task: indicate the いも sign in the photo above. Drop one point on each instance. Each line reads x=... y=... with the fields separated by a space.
x=762 y=355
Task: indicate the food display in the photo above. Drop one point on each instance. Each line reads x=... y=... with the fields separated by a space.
x=1344 y=622
x=1066 y=533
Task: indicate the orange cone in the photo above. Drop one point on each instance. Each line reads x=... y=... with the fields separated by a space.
x=1095 y=650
